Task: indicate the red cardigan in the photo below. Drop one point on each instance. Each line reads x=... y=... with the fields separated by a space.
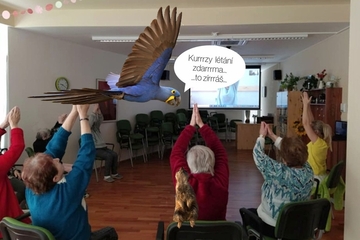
x=9 y=206
x=211 y=191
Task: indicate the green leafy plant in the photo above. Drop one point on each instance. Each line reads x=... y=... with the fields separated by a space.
x=290 y=82
x=310 y=82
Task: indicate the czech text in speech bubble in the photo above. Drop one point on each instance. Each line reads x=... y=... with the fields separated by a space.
x=209 y=67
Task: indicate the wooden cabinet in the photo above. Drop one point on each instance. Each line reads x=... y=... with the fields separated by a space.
x=288 y=111
x=325 y=106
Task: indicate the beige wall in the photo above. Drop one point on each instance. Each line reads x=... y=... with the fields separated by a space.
x=352 y=196
x=331 y=54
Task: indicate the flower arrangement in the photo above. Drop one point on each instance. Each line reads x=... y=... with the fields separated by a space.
x=299 y=128
x=322 y=75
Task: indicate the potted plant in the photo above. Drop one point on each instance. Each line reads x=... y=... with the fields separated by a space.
x=290 y=82
x=311 y=82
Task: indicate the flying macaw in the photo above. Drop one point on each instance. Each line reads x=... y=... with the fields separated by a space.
x=139 y=80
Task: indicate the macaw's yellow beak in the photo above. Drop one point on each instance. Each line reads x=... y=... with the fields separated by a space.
x=174 y=101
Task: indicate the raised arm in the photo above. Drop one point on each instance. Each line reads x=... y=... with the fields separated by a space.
x=308 y=118
x=57 y=145
x=276 y=139
x=268 y=167
x=178 y=152
x=58 y=124
x=17 y=145
x=96 y=117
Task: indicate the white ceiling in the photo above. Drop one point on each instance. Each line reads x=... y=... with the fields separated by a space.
x=318 y=26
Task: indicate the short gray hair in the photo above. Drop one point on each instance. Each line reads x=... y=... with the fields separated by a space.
x=43 y=133
x=201 y=159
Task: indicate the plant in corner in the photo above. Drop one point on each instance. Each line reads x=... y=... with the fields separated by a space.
x=290 y=82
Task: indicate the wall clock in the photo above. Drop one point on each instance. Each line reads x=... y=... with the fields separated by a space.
x=61 y=84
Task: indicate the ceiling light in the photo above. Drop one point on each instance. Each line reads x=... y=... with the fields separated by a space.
x=211 y=38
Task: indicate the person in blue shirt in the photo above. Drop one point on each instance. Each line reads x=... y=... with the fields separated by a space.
x=56 y=200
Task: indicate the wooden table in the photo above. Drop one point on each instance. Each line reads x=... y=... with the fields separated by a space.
x=246 y=135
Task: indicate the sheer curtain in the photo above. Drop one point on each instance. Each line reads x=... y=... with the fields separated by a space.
x=3 y=77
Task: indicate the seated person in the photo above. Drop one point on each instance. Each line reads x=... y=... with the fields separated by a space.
x=207 y=167
x=320 y=135
x=110 y=156
x=56 y=200
x=43 y=136
x=9 y=205
x=287 y=181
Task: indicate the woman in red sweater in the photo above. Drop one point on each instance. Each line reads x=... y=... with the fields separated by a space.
x=207 y=167
x=9 y=205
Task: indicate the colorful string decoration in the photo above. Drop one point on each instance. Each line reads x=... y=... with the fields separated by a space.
x=6 y=14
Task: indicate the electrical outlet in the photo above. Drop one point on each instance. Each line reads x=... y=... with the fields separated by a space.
x=343 y=107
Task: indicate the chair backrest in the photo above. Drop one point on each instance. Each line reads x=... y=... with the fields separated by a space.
x=181 y=119
x=335 y=174
x=156 y=118
x=123 y=126
x=298 y=220
x=142 y=121
x=221 y=117
x=209 y=230
x=170 y=117
x=181 y=110
x=30 y=152
x=13 y=229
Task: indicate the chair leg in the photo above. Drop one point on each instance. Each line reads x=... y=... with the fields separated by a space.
x=96 y=173
x=131 y=160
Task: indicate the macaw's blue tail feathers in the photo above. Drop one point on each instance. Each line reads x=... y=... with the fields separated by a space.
x=81 y=96
x=112 y=79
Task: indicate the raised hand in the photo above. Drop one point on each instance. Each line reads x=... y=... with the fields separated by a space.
x=193 y=117
x=14 y=117
x=62 y=117
x=96 y=108
x=305 y=98
x=83 y=110
x=198 y=118
x=263 y=129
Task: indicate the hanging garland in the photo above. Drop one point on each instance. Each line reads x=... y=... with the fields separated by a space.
x=37 y=9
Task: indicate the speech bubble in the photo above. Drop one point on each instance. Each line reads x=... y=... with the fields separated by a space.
x=209 y=67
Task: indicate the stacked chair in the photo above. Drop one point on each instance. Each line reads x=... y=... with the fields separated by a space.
x=151 y=132
x=129 y=140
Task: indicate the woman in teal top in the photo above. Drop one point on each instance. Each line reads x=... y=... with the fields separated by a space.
x=288 y=180
x=55 y=200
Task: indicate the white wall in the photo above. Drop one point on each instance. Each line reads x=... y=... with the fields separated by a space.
x=331 y=54
x=35 y=61
x=352 y=195
x=268 y=103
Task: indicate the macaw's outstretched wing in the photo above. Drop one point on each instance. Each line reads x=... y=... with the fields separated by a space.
x=152 y=50
x=80 y=96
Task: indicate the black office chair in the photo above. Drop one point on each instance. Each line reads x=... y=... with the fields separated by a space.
x=296 y=221
x=209 y=230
